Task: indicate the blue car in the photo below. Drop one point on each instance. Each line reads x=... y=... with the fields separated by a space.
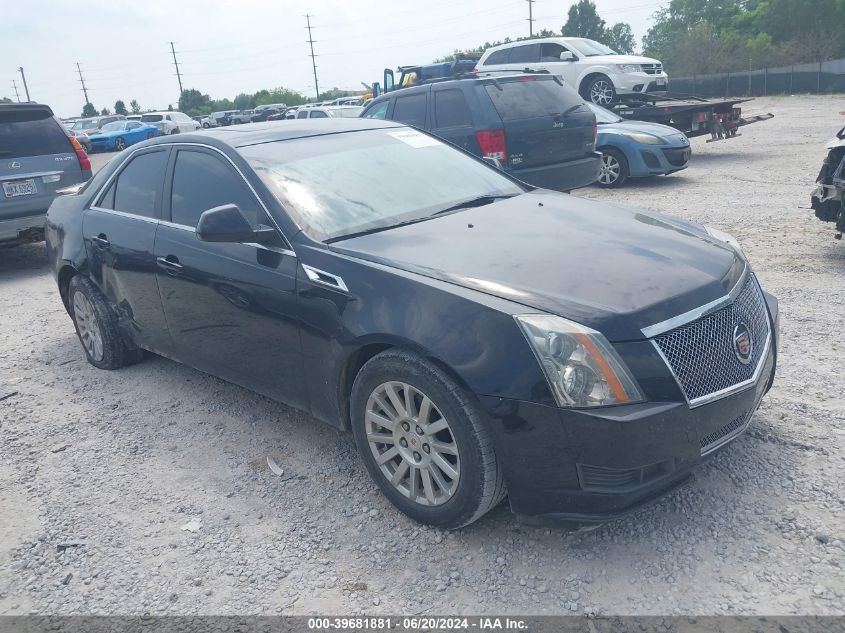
x=120 y=134
x=636 y=149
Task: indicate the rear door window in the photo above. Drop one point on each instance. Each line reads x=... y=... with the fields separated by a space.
x=451 y=109
x=531 y=96
x=499 y=57
x=410 y=109
x=526 y=54
x=378 y=111
x=201 y=182
x=138 y=184
x=31 y=132
x=319 y=114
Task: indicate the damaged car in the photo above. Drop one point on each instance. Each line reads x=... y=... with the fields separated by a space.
x=828 y=199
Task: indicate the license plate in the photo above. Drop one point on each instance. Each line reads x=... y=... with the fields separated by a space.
x=19 y=188
x=660 y=82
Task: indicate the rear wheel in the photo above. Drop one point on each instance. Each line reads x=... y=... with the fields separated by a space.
x=424 y=441
x=600 y=91
x=151 y=135
x=119 y=144
x=614 y=168
x=97 y=327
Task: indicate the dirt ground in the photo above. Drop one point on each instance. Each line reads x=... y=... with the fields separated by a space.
x=100 y=471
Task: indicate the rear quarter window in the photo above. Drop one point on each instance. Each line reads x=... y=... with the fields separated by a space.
x=451 y=109
x=499 y=57
x=531 y=97
x=26 y=133
x=410 y=110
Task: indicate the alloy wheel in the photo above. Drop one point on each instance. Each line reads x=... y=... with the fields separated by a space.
x=412 y=443
x=610 y=170
x=89 y=329
x=120 y=144
x=601 y=92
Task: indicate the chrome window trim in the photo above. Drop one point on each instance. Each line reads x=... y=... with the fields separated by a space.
x=313 y=275
x=124 y=214
x=177 y=145
x=696 y=313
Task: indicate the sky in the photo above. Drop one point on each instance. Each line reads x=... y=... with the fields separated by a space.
x=226 y=47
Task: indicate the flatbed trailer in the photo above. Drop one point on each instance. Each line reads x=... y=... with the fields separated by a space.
x=694 y=116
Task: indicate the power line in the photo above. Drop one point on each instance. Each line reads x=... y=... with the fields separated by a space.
x=313 y=61
x=82 y=81
x=531 y=18
x=15 y=86
x=26 y=89
x=176 y=63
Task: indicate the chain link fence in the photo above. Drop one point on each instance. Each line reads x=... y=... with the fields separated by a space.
x=814 y=78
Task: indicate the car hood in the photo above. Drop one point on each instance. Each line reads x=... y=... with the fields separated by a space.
x=620 y=59
x=663 y=131
x=613 y=269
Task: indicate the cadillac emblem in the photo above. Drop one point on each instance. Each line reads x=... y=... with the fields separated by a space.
x=743 y=344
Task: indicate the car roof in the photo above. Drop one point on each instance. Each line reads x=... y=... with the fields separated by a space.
x=25 y=106
x=255 y=133
x=483 y=78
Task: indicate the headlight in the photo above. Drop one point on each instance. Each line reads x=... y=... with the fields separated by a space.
x=642 y=137
x=629 y=68
x=582 y=368
x=727 y=238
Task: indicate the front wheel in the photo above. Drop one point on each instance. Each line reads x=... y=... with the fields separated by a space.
x=424 y=441
x=614 y=169
x=601 y=91
x=119 y=144
x=205 y=126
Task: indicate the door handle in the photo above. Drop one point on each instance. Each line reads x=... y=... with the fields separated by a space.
x=101 y=241
x=170 y=264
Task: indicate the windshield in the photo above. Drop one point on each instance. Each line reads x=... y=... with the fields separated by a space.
x=90 y=124
x=604 y=116
x=590 y=48
x=342 y=184
x=151 y=118
x=114 y=126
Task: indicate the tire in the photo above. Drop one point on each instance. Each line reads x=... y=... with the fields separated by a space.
x=174 y=131
x=97 y=327
x=600 y=90
x=205 y=126
x=614 y=169
x=119 y=144
x=150 y=135
x=475 y=485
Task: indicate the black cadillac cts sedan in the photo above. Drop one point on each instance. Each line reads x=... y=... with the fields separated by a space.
x=480 y=337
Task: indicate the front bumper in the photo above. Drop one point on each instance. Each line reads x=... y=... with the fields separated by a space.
x=564 y=176
x=639 y=83
x=657 y=160
x=580 y=468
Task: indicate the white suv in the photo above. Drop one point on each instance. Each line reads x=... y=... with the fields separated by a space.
x=598 y=73
x=170 y=122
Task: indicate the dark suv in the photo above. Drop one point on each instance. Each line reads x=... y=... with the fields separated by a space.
x=37 y=157
x=539 y=129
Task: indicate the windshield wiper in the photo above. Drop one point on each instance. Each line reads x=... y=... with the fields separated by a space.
x=480 y=201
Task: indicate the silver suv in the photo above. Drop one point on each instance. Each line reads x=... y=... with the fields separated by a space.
x=37 y=158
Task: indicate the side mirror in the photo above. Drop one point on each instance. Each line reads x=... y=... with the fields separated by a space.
x=376 y=89
x=567 y=56
x=227 y=223
x=388 y=80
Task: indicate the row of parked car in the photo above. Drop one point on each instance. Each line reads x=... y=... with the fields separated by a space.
x=116 y=131
x=346 y=107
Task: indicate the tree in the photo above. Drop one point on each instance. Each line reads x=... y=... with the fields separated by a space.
x=244 y=102
x=170 y=107
x=5 y=100
x=193 y=102
x=120 y=107
x=135 y=106
x=105 y=112
x=620 y=37
x=279 y=95
x=583 y=21
x=89 y=110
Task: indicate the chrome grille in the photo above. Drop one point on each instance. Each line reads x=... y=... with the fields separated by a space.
x=701 y=353
x=721 y=436
x=652 y=69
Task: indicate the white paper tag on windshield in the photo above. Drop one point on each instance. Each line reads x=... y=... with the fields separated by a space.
x=414 y=139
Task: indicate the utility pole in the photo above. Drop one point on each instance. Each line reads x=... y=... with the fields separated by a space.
x=15 y=86
x=313 y=62
x=531 y=17
x=82 y=81
x=25 y=88
x=175 y=63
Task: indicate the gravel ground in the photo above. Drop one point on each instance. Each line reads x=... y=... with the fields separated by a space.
x=102 y=471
